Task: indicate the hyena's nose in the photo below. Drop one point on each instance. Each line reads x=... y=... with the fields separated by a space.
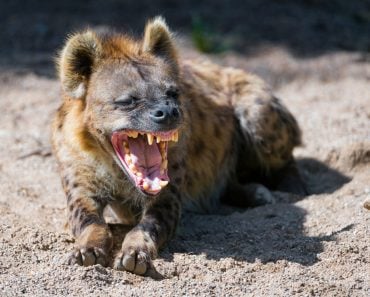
x=165 y=114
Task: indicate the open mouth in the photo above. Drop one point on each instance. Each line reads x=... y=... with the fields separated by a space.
x=144 y=156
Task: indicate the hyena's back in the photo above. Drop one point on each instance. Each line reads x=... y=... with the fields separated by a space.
x=238 y=132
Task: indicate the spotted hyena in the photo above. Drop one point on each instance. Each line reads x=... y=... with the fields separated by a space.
x=149 y=134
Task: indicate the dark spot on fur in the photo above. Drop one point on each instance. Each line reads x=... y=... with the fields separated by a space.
x=60 y=126
x=189 y=183
x=166 y=206
x=76 y=213
x=156 y=214
x=281 y=149
x=275 y=100
x=199 y=146
x=222 y=120
x=259 y=101
x=69 y=197
x=182 y=163
x=271 y=138
x=175 y=166
x=173 y=189
x=66 y=181
x=88 y=219
x=217 y=131
x=247 y=124
x=167 y=225
x=201 y=114
x=214 y=155
x=75 y=185
x=277 y=125
x=150 y=227
x=266 y=120
x=71 y=207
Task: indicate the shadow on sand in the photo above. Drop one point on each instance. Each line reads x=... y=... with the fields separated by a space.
x=266 y=234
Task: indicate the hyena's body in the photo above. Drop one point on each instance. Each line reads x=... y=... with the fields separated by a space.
x=231 y=131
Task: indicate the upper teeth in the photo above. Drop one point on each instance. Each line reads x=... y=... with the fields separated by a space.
x=150 y=138
x=155 y=137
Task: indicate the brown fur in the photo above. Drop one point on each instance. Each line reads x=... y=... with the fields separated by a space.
x=232 y=131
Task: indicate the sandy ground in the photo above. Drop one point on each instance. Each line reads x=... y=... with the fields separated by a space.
x=318 y=246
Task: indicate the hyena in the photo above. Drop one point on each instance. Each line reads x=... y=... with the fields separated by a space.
x=148 y=134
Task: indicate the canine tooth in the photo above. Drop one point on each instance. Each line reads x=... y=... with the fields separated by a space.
x=164 y=166
x=158 y=139
x=139 y=174
x=175 y=136
x=132 y=167
x=162 y=149
x=145 y=186
x=150 y=138
x=134 y=134
x=163 y=183
x=128 y=159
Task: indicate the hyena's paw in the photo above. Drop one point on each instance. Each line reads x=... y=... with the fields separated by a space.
x=88 y=256
x=133 y=260
x=92 y=246
x=258 y=194
x=263 y=196
x=136 y=253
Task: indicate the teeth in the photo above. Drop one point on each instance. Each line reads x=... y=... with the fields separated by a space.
x=139 y=174
x=164 y=166
x=126 y=147
x=132 y=167
x=162 y=149
x=163 y=183
x=127 y=159
x=150 y=138
x=145 y=186
x=175 y=136
x=158 y=139
x=134 y=134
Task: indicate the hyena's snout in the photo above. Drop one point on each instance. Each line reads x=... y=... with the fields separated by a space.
x=167 y=114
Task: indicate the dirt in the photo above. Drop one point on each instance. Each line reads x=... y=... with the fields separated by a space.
x=316 y=246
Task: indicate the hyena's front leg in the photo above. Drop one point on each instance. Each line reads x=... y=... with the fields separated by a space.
x=156 y=227
x=85 y=218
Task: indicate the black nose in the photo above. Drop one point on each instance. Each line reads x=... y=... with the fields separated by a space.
x=165 y=114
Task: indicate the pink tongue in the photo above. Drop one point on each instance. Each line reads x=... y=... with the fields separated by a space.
x=146 y=157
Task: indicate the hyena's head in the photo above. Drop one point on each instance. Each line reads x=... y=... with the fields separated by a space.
x=130 y=95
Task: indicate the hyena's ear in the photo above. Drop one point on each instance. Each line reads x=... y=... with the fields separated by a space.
x=158 y=41
x=76 y=62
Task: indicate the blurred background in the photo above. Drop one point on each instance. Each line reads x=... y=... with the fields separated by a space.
x=32 y=31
